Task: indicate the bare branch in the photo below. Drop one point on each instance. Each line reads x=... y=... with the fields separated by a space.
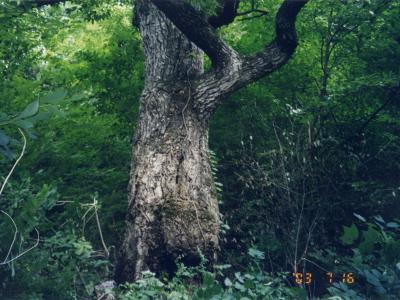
x=14 y=238
x=249 y=14
x=253 y=10
x=94 y=206
x=23 y=252
x=15 y=164
x=6 y=260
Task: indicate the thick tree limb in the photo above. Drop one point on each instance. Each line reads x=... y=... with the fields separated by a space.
x=281 y=48
x=231 y=71
x=275 y=55
x=195 y=26
x=226 y=14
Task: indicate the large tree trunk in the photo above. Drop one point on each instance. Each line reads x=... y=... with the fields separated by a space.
x=173 y=210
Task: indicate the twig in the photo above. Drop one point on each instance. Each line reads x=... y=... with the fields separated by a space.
x=260 y=11
x=15 y=164
x=95 y=208
x=15 y=236
x=24 y=252
x=315 y=264
x=6 y=260
x=298 y=230
x=253 y=17
x=101 y=233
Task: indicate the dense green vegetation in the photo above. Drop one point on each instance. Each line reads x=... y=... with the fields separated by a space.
x=307 y=161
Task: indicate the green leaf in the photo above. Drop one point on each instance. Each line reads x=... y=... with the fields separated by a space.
x=3 y=116
x=30 y=110
x=77 y=97
x=208 y=278
x=350 y=234
x=54 y=97
x=41 y=116
x=372 y=277
x=256 y=253
x=391 y=251
x=227 y=282
x=4 y=139
x=370 y=237
x=6 y=152
x=55 y=111
x=24 y=124
x=239 y=277
x=379 y=219
x=392 y=225
x=359 y=217
x=240 y=287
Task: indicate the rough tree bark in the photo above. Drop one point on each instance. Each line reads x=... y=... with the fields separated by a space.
x=173 y=209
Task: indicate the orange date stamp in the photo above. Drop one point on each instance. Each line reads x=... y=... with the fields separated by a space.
x=330 y=277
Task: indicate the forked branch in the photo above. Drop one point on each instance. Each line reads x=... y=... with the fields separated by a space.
x=278 y=52
x=231 y=71
x=194 y=24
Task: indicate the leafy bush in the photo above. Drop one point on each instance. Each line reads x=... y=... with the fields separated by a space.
x=65 y=264
x=198 y=283
x=376 y=260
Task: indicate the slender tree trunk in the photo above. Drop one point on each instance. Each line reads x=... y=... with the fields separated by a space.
x=173 y=210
